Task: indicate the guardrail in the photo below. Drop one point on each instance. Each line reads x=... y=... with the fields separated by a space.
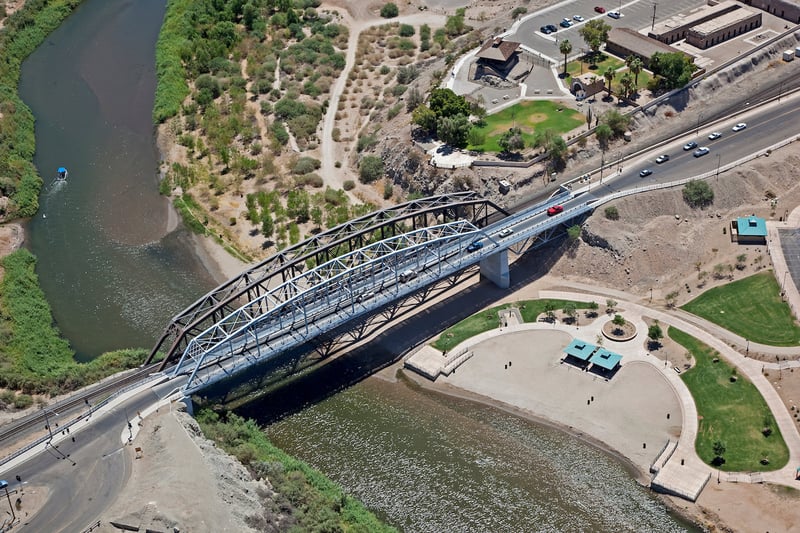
x=75 y=420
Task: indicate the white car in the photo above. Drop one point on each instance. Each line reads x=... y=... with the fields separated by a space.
x=614 y=14
x=739 y=127
x=577 y=18
x=715 y=135
x=505 y=232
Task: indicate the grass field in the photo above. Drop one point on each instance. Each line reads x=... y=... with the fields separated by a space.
x=733 y=412
x=529 y=117
x=751 y=307
x=488 y=319
x=582 y=65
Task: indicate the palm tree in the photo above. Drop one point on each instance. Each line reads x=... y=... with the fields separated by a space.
x=566 y=48
x=609 y=76
x=626 y=82
x=635 y=65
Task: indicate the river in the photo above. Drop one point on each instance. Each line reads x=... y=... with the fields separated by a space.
x=114 y=274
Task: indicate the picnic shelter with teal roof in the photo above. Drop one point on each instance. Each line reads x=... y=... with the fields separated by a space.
x=580 y=349
x=751 y=230
x=605 y=359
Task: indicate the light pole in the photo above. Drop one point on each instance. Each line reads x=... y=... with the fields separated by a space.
x=697 y=129
x=651 y=294
x=4 y=484
x=47 y=422
x=719 y=158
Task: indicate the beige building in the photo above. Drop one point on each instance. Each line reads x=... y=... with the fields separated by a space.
x=677 y=28
x=625 y=42
x=724 y=27
x=785 y=9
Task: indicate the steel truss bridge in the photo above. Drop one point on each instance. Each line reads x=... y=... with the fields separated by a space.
x=345 y=277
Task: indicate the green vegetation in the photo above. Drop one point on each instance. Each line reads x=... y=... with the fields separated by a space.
x=751 y=307
x=736 y=429
x=529 y=117
x=672 y=70
x=314 y=502
x=23 y=31
x=698 y=193
x=488 y=320
x=389 y=10
x=612 y=213
x=597 y=63
x=34 y=357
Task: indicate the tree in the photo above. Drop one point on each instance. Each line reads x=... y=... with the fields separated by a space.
x=573 y=233
x=453 y=130
x=719 y=451
x=267 y=225
x=549 y=311
x=446 y=103
x=616 y=121
x=619 y=320
x=610 y=305
x=589 y=117
x=593 y=307
x=511 y=140
x=571 y=310
x=675 y=69
x=370 y=168
x=635 y=65
x=454 y=25
x=423 y=117
x=626 y=83
x=612 y=213
x=698 y=193
x=741 y=261
x=609 y=76
x=603 y=133
x=565 y=47
x=389 y=10
x=655 y=334
x=554 y=145
x=594 y=34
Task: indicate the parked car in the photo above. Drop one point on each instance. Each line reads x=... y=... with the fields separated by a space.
x=690 y=145
x=700 y=152
x=599 y=9
x=474 y=246
x=714 y=136
x=545 y=30
x=662 y=158
x=505 y=232
x=739 y=127
x=614 y=14
x=566 y=23
x=645 y=172
x=554 y=210
x=577 y=18
x=552 y=27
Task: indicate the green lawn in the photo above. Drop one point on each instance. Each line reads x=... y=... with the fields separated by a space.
x=582 y=65
x=751 y=307
x=529 y=117
x=644 y=79
x=488 y=319
x=733 y=412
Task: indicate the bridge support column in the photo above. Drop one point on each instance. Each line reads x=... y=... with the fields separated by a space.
x=495 y=267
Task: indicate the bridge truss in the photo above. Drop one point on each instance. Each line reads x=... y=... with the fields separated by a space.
x=324 y=298
x=318 y=249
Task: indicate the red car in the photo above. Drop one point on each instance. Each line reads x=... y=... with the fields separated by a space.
x=554 y=210
x=600 y=9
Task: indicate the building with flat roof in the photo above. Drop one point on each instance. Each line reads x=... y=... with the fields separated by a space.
x=624 y=42
x=749 y=230
x=724 y=27
x=785 y=9
x=580 y=350
x=676 y=28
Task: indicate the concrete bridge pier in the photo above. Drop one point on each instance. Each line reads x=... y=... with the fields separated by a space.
x=495 y=268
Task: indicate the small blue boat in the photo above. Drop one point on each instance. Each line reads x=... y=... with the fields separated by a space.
x=62 y=174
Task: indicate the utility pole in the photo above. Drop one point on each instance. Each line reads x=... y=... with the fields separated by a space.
x=719 y=158
x=47 y=423
x=13 y=514
x=653 y=26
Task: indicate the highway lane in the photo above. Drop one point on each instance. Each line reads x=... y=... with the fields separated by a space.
x=764 y=129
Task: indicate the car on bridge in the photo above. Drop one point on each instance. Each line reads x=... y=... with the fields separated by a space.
x=644 y=173
x=662 y=158
x=407 y=275
x=700 y=152
x=474 y=246
x=739 y=127
x=714 y=136
x=554 y=210
x=689 y=146
x=505 y=232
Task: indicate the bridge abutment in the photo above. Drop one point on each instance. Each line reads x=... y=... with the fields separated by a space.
x=495 y=268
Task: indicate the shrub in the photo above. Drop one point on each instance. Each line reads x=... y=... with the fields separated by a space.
x=388 y=190
x=311 y=179
x=406 y=75
x=406 y=30
x=305 y=165
x=698 y=193
x=349 y=185
x=612 y=213
x=370 y=168
x=389 y=10
x=23 y=401
x=366 y=142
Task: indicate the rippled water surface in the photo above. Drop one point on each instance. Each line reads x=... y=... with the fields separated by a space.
x=430 y=463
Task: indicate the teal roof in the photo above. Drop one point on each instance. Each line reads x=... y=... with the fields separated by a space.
x=605 y=359
x=580 y=349
x=751 y=226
